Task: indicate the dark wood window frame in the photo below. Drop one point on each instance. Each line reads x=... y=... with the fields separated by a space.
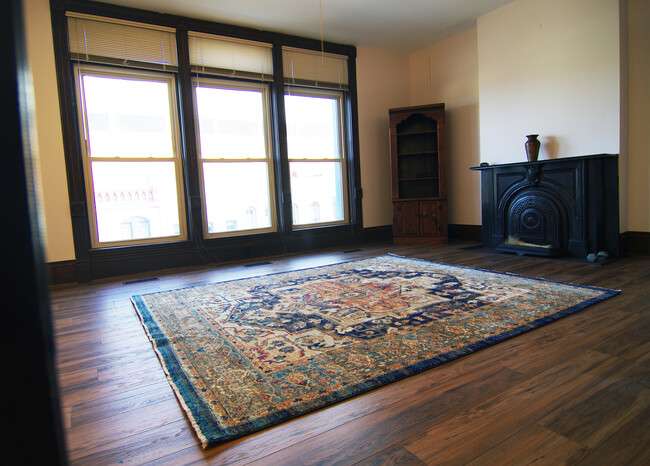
x=98 y=263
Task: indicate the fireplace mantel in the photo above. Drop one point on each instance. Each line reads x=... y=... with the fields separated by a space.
x=558 y=207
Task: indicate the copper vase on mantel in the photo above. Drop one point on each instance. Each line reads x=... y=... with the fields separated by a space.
x=532 y=147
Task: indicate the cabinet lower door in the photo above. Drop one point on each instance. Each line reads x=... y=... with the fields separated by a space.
x=420 y=222
x=433 y=218
x=406 y=218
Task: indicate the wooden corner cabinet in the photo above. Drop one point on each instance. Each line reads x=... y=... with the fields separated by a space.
x=418 y=171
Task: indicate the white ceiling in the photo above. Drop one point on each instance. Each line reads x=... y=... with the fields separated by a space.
x=404 y=26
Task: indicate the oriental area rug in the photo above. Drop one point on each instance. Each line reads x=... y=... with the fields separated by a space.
x=246 y=354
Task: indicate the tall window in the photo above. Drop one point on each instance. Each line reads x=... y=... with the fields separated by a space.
x=316 y=85
x=316 y=156
x=235 y=156
x=135 y=97
x=130 y=145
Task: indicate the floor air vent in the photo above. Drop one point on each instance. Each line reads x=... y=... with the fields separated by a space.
x=257 y=264
x=140 y=280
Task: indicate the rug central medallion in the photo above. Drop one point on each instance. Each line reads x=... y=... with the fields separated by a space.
x=365 y=297
x=280 y=324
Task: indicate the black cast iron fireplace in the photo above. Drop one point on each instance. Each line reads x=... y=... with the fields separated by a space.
x=559 y=207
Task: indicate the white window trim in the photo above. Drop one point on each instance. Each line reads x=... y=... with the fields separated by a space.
x=98 y=70
x=269 y=160
x=343 y=160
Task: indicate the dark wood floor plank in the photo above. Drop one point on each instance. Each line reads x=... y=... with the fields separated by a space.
x=626 y=340
x=591 y=417
x=106 y=407
x=533 y=445
x=89 y=436
x=99 y=359
x=160 y=446
x=550 y=345
x=629 y=445
x=393 y=455
x=100 y=390
x=538 y=397
x=71 y=381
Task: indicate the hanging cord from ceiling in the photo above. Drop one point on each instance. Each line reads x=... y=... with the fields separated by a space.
x=322 y=44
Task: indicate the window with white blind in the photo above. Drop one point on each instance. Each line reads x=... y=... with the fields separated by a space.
x=129 y=130
x=232 y=159
x=314 y=96
x=130 y=152
x=233 y=126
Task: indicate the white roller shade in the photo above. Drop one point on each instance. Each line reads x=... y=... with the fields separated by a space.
x=225 y=56
x=315 y=68
x=123 y=43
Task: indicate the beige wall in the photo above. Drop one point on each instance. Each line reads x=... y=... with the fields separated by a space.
x=638 y=115
x=448 y=72
x=56 y=208
x=580 y=71
x=383 y=83
x=549 y=67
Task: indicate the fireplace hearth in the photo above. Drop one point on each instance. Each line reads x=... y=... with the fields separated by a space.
x=552 y=208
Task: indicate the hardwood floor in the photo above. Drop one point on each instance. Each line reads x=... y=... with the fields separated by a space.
x=576 y=391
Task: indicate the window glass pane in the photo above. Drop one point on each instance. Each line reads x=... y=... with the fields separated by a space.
x=128 y=117
x=135 y=200
x=231 y=123
x=312 y=127
x=317 y=192
x=236 y=196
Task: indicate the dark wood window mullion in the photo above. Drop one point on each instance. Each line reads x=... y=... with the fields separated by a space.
x=194 y=213
x=282 y=172
x=352 y=140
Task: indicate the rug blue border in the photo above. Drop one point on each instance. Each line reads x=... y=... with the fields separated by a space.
x=212 y=434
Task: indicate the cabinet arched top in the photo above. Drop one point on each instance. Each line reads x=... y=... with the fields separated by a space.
x=417 y=123
x=419 y=118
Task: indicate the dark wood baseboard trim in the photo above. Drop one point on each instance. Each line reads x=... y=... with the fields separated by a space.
x=62 y=272
x=376 y=234
x=465 y=232
x=635 y=243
